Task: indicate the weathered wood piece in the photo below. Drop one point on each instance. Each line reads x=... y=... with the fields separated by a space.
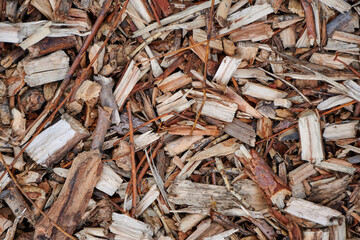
x=226 y=70
x=74 y=197
x=52 y=144
x=262 y=92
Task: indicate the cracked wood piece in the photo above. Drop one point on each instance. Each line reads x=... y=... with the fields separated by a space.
x=313 y=212
x=52 y=144
x=337 y=165
x=221 y=149
x=310 y=137
x=242 y=104
x=262 y=92
x=333 y=102
x=260 y=172
x=346 y=37
x=226 y=70
x=74 y=197
x=46 y=69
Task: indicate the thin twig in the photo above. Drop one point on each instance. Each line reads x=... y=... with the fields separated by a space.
x=133 y=163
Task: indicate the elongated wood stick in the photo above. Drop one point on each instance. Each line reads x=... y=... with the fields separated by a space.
x=133 y=163
x=309 y=18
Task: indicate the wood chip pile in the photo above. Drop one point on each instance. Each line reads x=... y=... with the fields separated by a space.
x=168 y=119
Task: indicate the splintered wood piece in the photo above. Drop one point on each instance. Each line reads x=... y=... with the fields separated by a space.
x=187 y=130
x=52 y=144
x=247 y=16
x=221 y=110
x=264 y=127
x=190 y=221
x=299 y=174
x=336 y=131
x=221 y=149
x=226 y=70
x=310 y=137
x=262 y=92
x=175 y=17
x=251 y=73
x=333 y=102
x=260 y=172
x=98 y=64
x=145 y=139
x=40 y=34
x=174 y=81
x=125 y=227
x=177 y=102
x=109 y=181
x=254 y=32
x=313 y=212
x=147 y=200
x=44 y=7
x=340 y=5
x=181 y=145
x=346 y=37
x=328 y=60
x=50 y=68
x=241 y=131
x=74 y=197
x=127 y=83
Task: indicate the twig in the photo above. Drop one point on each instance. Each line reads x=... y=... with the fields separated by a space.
x=309 y=18
x=133 y=163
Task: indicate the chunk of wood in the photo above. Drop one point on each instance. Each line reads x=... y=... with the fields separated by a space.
x=46 y=69
x=199 y=196
x=313 y=212
x=262 y=92
x=145 y=139
x=288 y=37
x=74 y=197
x=264 y=127
x=251 y=73
x=127 y=83
x=200 y=35
x=247 y=51
x=174 y=81
x=125 y=227
x=226 y=70
x=181 y=145
x=221 y=110
x=109 y=181
x=333 y=102
x=88 y=90
x=221 y=149
x=326 y=190
x=99 y=62
x=190 y=221
x=177 y=102
x=222 y=12
x=346 y=37
x=241 y=131
x=328 y=60
x=242 y=104
x=50 y=45
x=310 y=137
x=188 y=130
x=147 y=200
x=254 y=32
x=261 y=173
x=336 y=131
x=52 y=144
x=299 y=174
x=337 y=165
